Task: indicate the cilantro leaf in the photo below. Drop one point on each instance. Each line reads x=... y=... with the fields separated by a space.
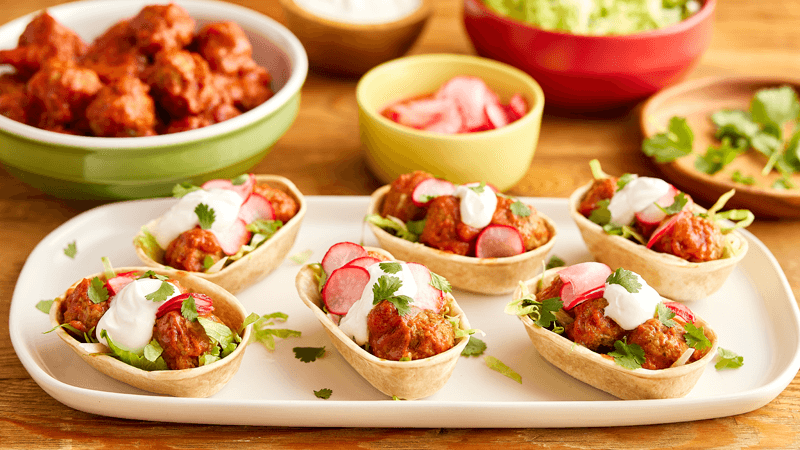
x=546 y=311
x=766 y=144
x=625 y=231
x=401 y=302
x=677 y=205
x=324 y=393
x=738 y=177
x=208 y=261
x=782 y=184
x=716 y=158
x=264 y=227
x=774 y=107
x=153 y=275
x=398 y=228
x=665 y=315
x=133 y=359
x=495 y=364
x=671 y=145
x=301 y=257
x=520 y=209
x=240 y=180
x=161 y=294
x=478 y=189
x=385 y=288
x=601 y=215
x=390 y=267
x=553 y=262
x=308 y=354
x=416 y=226
x=629 y=356
x=44 y=306
x=181 y=189
x=695 y=337
x=475 y=347
x=189 y=309
x=440 y=283
x=205 y=215
x=153 y=350
x=728 y=359
x=626 y=279
x=71 y=249
x=149 y=245
x=97 y=291
x=734 y=124
x=625 y=179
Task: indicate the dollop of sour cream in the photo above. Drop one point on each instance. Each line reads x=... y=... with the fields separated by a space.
x=476 y=208
x=130 y=318
x=637 y=195
x=181 y=216
x=354 y=324
x=628 y=309
x=360 y=11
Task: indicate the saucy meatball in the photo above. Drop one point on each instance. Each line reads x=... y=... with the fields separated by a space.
x=225 y=46
x=662 y=345
x=162 y=27
x=415 y=335
x=14 y=99
x=591 y=327
x=219 y=113
x=80 y=311
x=180 y=82
x=64 y=90
x=122 y=109
x=43 y=39
x=532 y=228
x=283 y=204
x=441 y=226
x=398 y=202
x=602 y=189
x=184 y=342
x=693 y=238
x=114 y=54
x=189 y=250
x=250 y=88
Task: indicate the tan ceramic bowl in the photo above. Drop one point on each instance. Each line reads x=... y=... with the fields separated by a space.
x=257 y=264
x=603 y=373
x=201 y=381
x=408 y=380
x=349 y=48
x=671 y=276
x=489 y=276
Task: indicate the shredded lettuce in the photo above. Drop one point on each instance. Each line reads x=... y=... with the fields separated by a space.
x=133 y=359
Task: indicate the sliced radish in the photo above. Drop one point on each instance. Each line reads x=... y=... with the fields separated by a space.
x=421 y=113
x=584 y=281
x=451 y=121
x=653 y=215
x=498 y=241
x=471 y=95
x=340 y=254
x=243 y=189
x=681 y=310
x=518 y=105
x=665 y=226
x=343 y=288
x=497 y=117
x=364 y=261
x=429 y=189
x=428 y=297
x=234 y=237
x=256 y=207
x=114 y=285
x=203 y=304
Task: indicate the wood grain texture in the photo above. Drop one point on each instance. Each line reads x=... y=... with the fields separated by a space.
x=321 y=153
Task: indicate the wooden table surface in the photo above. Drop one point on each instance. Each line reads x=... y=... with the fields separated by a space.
x=321 y=153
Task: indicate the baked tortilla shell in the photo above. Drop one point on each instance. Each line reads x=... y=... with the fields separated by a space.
x=669 y=275
x=480 y=275
x=256 y=264
x=408 y=380
x=603 y=373
x=201 y=381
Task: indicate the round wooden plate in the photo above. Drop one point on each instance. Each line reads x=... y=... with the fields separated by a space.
x=696 y=100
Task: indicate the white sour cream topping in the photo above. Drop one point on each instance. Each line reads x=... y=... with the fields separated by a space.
x=476 y=209
x=130 y=318
x=631 y=310
x=637 y=195
x=360 y=11
x=354 y=324
x=181 y=216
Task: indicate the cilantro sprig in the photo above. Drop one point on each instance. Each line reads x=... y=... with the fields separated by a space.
x=323 y=393
x=665 y=315
x=520 y=209
x=695 y=337
x=728 y=359
x=629 y=356
x=162 y=293
x=475 y=347
x=97 y=291
x=205 y=215
x=71 y=249
x=410 y=231
x=385 y=288
x=626 y=279
x=308 y=354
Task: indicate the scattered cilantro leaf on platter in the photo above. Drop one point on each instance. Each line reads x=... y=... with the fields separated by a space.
x=728 y=360
x=308 y=354
x=301 y=257
x=323 y=393
x=738 y=177
x=266 y=336
x=716 y=158
x=475 y=347
x=71 y=249
x=44 y=306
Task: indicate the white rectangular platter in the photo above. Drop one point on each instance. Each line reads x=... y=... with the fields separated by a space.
x=754 y=314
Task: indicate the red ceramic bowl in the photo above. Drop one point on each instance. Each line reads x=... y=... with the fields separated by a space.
x=591 y=73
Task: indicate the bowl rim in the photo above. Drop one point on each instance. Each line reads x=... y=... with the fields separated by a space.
x=704 y=13
x=533 y=114
x=283 y=38
x=423 y=12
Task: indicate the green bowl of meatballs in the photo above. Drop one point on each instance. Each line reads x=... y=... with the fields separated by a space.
x=120 y=100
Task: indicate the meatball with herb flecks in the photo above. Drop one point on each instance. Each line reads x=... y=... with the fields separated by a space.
x=191 y=248
x=122 y=109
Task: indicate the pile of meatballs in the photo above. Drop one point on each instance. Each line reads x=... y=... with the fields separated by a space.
x=147 y=75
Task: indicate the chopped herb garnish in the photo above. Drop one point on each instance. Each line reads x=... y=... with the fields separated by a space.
x=475 y=347
x=624 y=180
x=390 y=267
x=153 y=275
x=478 y=189
x=629 y=356
x=554 y=262
x=308 y=354
x=323 y=393
x=44 y=306
x=189 y=309
x=495 y=364
x=672 y=144
x=440 y=283
x=385 y=288
x=718 y=157
x=205 y=215
x=626 y=279
x=695 y=337
x=520 y=209
x=738 y=177
x=97 y=291
x=665 y=315
x=71 y=249
x=240 y=180
x=208 y=261
x=677 y=205
x=181 y=189
x=161 y=294
x=601 y=215
x=728 y=360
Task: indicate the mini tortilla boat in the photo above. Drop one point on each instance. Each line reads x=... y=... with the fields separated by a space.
x=254 y=265
x=602 y=372
x=481 y=275
x=671 y=276
x=201 y=381
x=408 y=380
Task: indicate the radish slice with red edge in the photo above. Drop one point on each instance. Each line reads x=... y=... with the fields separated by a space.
x=428 y=297
x=498 y=241
x=344 y=287
x=653 y=215
x=340 y=254
x=665 y=227
x=584 y=281
x=681 y=310
x=202 y=302
x=497 y=117
x=429 y=189
x=364 y=261
x=471 y=95
x=518 y=105
x=256 y=207
x=234 y=237
x=114 y=285
x=243 y=189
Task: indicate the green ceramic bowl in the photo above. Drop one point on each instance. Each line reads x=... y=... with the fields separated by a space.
x=500 y=157
x=122 y=168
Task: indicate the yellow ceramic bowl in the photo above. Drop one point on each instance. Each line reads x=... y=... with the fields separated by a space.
x=500 y=157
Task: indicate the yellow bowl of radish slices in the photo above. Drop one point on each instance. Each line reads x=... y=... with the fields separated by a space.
x=498 y=156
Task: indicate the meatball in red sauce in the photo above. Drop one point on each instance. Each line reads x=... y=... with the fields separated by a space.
x=397 y=202
x=183 y=342
x=416 y=335
x=693 y=238
x=189 y=250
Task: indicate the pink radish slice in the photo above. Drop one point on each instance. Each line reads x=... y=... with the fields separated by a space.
x=681 y=310
x=234 y=237
x=450 y=121
x=518 y=105
x=364 y=261
x=498 y=241
x=421 y=113
x=116 y=284
x=428 y=297
x=497 y=117
x=343 y=288
x=584 y=281
x=256 y=207
x=243 y=189
x=471 y=95
x=665 y=226
x=653 y=215
x=202 y=302
x=340 y=254
x=429 y=189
